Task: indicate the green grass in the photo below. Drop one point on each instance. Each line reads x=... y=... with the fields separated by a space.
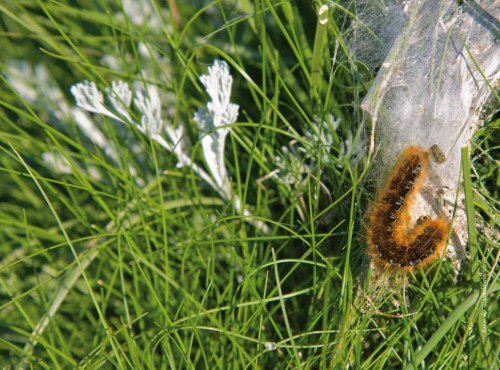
x=111 y=273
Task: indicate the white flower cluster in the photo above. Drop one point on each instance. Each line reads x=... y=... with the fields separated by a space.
x=117 y=102
x=214 y=121
x=147 y=103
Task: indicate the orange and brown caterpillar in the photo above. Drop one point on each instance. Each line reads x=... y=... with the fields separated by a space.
x=391 y=243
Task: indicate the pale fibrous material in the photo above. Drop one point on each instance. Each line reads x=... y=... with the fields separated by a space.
x=438 y=64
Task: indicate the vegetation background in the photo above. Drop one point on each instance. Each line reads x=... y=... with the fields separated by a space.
x=106 y=267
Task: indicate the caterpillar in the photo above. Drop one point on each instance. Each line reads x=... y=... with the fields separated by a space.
x=392 y=244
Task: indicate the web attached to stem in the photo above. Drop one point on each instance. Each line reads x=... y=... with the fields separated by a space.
x=439 y=61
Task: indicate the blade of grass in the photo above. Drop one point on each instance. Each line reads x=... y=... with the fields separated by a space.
x=283 y=310
x=478 y=271
x=319 y=42
x=451 y=320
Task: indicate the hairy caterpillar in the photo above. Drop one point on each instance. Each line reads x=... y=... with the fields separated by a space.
x=391 y=242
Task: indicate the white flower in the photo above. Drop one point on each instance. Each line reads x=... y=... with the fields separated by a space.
x=142 y=13
x=34 y=83
x=21 y=77
x=88 y=97
x=149 y=105
x=120 y=97
x=213 y=121
x=91 y=99
x=218 y=83
x=57 y=162
x=147 y=102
